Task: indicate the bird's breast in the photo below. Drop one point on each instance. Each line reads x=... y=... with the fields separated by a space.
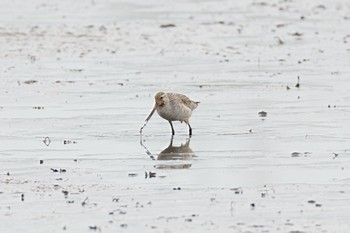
x=173 y=112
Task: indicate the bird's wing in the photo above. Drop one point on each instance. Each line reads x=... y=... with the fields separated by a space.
x=188 y=102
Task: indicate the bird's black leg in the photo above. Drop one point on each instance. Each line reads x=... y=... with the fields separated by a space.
x=172 y=128
x=171 y=141
x=190 y=129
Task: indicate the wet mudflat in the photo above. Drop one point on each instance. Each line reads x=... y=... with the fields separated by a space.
x=269 y=151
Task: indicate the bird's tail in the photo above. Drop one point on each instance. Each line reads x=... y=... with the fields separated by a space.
x=195 y=105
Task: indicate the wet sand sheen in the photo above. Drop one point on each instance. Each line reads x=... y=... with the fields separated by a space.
x=269 y=151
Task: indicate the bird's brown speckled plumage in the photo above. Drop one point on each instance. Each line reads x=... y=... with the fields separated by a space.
x=174 y=107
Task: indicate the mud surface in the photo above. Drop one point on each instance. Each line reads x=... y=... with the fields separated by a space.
x=270 y=145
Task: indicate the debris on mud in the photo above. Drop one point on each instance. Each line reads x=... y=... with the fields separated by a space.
x=30 y=81
x=173 y=166
x=298 y=154
x=38 y=107
x=150 y=175
x=279 y=40
x=170 y=25
x=262 y=114
x=298 y=83
x=298 y=34
x=335 y=155
x=47 y=141
x=237 y=190
x=69 y=142
x=61 y=170
x=123 y=225
x=95 y=228
x=83 y=203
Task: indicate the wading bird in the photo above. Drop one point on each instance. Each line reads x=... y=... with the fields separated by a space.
x=173 y=107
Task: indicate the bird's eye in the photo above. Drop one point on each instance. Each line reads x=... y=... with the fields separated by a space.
x=161 y=97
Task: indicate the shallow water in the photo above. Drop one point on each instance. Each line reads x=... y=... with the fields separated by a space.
x=95 y=73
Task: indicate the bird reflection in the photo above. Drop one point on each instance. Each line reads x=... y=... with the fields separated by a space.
x=171 y=153
x=182 y=152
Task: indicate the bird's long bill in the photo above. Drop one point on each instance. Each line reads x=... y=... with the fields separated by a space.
x=149 y=117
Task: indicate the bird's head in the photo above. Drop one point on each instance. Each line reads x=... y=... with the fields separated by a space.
x=160 y=98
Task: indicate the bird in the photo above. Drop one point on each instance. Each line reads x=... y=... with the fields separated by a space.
x=173 y=107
